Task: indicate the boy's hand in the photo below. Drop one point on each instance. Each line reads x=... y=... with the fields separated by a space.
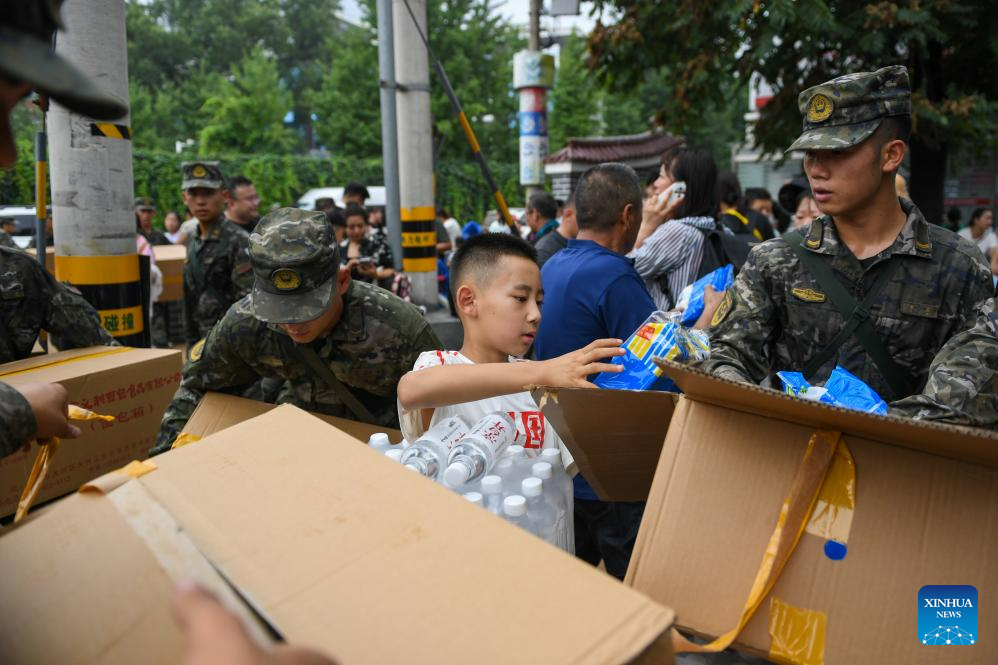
x=571 y=369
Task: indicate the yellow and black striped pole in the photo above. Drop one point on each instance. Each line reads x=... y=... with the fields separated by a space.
x=469 y=134
x=419 y=239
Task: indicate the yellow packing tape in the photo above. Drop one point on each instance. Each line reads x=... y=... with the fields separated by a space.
x=794 y=515
x=184 y=439
x=65 y=361
x=831 y=518
x=44 y=459
x=798 y=636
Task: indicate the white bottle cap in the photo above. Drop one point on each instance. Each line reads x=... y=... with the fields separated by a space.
x=514 y=506
x=492 y=484
x=474 y=497
x=394 y=454
x=514 y=451
x=532 y=487
x=551 y=455
x=379 y=439
x=457 y=474
x=542 y=470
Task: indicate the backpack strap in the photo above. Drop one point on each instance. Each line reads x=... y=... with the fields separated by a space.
x=321 y=370
x=858 y=320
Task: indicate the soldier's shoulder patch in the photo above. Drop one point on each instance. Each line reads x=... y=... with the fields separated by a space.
x=194 y=354
x=723 y=309
x=808 y=295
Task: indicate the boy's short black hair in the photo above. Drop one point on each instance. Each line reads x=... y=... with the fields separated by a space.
x=480 y=254
x=354 y=210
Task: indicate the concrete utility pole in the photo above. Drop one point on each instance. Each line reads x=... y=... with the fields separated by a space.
x=415 y=153
x=389 y=126
x=91 y=166
x=533 y=74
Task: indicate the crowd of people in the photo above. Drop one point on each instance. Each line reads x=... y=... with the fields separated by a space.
x=307 y=308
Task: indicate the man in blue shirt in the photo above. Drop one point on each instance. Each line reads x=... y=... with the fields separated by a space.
x=591 y=291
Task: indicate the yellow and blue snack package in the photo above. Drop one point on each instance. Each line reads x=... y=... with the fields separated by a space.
x=660 y=336
x=691 y=299
x=841 y=389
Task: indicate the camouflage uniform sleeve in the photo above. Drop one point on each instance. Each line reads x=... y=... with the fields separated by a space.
x=70 y=319
x=17 y=420
x=191 y=332
x=962 y=388
x=217 y=363
x=744 y=325
x=242 y=271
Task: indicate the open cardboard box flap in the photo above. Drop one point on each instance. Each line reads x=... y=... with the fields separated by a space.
x=615 y=436
x=961 y=443
x=338 y=548
x=216 y=411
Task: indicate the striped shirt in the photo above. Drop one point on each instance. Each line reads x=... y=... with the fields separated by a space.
x=674 y=251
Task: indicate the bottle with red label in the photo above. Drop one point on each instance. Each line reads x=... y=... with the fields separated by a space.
x=476 y=454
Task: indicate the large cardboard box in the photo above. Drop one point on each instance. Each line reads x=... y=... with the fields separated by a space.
x=336 y=548
x=925 y=513
x=216 y=411
x=615 y=436
x=134 y=385
x=170 y=259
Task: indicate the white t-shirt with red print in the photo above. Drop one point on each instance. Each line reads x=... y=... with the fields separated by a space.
x=534 y=432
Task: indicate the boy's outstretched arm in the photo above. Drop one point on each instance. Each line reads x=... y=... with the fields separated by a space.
x=454 y=384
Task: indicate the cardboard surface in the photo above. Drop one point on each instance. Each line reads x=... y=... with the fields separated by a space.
x=338 y=547
x=615 y=436
x=134 y=385
x=218 y=411
x=920 y=519
x=962 y=443
x=49 y=258
x=170 y=259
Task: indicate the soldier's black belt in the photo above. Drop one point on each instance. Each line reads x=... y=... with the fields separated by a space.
x=857 y=316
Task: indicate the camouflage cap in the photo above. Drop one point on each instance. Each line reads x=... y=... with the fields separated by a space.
x=201 y=174
x=845 y=111
x=26 y=55
x=144 y=203
x=295 y=260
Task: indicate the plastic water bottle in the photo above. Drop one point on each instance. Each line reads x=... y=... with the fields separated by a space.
x=474 y=497
x=563 y=532
x=541 y=515
x=394 y=455
x=428 y=454
x=379 y=441
x=476 y=453
x=492 y=494
x=560 y=476
x=514 y=509
x=511 y=466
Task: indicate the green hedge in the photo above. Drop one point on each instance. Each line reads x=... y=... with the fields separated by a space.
x=282 y=179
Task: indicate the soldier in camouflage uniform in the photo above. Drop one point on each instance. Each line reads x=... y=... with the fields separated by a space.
x=7 y=228
x=32 y=300
x=963 y=380
x=306 y=323
x=916 y=291
x=217 y=272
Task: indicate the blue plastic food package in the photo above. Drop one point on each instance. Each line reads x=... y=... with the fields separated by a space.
x=841 y=389
x=660 y=336
x=721 y=279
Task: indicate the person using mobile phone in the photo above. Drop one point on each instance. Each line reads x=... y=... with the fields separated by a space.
x=368 y=258
x=669 y=247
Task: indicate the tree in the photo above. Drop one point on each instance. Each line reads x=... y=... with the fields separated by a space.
x=575 y=99
x=246 y=109
x=347 y=99
x=699 y=47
